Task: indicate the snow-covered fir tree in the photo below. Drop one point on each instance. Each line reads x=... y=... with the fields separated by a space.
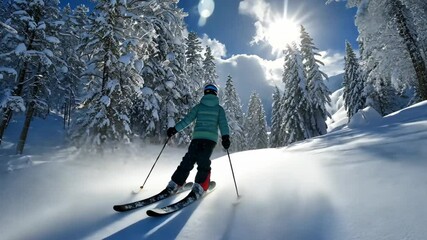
x=29 y=61
x=393 y=45
x=233 y=110
x=195 y=64
x=209 y=66
x=419 y=11
x=9 y=40
x=276 y=119
x=167 y=93
x=71 y=35
x=318 y=91
x=405 y=26
x=5 y=11
x=14 y=63
x=115 y=48
x=387 y=97
x=353 y=83
x=255 y=124
x=295 y=108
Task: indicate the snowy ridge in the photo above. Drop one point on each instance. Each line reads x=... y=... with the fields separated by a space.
x=366 y=182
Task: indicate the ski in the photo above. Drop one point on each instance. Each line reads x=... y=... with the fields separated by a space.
x=144 y=202
x=189 y=199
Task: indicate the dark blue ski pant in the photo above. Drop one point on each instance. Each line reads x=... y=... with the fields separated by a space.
x=199 y=151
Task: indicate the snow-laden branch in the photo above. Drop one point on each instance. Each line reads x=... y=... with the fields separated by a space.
x=8 y=28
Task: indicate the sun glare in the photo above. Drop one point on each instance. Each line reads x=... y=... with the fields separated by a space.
x=281 y=32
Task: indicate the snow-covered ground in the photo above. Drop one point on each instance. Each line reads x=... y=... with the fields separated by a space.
x=366 y=181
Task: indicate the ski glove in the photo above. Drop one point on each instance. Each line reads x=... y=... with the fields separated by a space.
x=171 y=131
x=226 y=141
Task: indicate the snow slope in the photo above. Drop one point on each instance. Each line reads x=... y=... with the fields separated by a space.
x=364 y=182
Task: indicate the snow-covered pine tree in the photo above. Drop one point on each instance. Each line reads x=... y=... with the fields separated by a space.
x=295 y=108
x=318 y=91
x=209 y=66
x=115 y=47
x=276 y=119
x=9 y=36
x=387 y=97
x=30 y=61
x=419 y=13
x=405 y=26
x=71 y=35
x=14 y=63
x=167 y=93
x=353 y=83
x=233 y=110
x=255 y=124
x=392 y=44
x=195 y=64
x=5 y=11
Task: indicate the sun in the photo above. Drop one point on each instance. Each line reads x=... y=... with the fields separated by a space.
x=281 y=32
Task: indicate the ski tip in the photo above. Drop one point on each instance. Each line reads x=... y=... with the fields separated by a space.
x=212 y=185
x=118 y=208
x=156 y=212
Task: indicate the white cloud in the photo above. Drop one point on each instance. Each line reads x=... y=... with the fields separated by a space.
x=249 y=72
x=261 y=12
x=218 y=49
x=255 y=8
x=334 y=62
x=252 y=73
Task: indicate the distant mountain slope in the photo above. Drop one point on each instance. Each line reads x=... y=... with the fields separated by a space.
x=335 y=82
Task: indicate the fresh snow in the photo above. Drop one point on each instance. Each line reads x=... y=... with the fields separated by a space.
x=365 y=117
x=52 y=39
x=8 y=70
x=127 y=59
x=21 y=48
x=8 y=28
x=365 y=182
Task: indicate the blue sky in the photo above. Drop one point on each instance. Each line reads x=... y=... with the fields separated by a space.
x=329 y=25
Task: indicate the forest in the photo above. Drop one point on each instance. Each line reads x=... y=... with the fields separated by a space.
x=130 y=69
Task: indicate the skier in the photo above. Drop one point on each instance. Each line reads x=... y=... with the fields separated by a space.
x=209 y=116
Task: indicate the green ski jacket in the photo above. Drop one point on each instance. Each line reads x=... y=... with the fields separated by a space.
x=209 y=116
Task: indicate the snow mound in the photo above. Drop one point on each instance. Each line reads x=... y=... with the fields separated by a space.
x=19 y=163
x=365 y=117
x=412 y=113
x=337 y=101
x=338 y=121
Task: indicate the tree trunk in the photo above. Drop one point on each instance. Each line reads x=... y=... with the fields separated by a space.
x=7 y=116
x=65 y=112
x=5 y=122
x=69 y=112
x=24 y=132
x=413 y=49
x=29 y=115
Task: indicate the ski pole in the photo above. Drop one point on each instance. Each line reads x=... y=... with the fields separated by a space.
x=164 y=145
x=232 y=171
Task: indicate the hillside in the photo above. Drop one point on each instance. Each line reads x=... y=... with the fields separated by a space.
x=366 y=181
